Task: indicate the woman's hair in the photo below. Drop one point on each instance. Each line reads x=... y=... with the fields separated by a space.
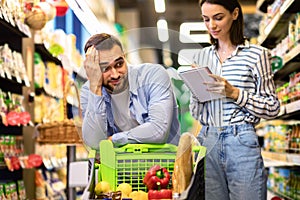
x=237 y=27
x=102 y=41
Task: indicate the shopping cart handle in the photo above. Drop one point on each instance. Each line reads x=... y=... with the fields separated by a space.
x=146 y=148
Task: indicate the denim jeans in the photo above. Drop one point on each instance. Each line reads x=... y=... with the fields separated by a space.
x=234 y=165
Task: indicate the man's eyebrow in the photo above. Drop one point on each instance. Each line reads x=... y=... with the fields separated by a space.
x=107 y=63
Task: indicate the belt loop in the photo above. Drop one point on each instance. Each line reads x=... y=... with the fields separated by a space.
x=205 y=131
x=235 y=129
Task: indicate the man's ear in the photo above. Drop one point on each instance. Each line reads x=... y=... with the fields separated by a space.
x=235 y=13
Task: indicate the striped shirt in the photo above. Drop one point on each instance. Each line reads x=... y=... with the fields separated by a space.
x=248 y=68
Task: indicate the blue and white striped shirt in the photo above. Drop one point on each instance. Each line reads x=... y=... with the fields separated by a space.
x=248 y=68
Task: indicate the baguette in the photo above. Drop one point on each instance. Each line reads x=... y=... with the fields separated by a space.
x=183 y=166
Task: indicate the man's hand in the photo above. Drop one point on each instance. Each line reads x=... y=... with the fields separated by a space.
x=93 y=71
x=222 y=86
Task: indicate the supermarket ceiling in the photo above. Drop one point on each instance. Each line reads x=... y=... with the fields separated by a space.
x=176 y=12
x=142 y=16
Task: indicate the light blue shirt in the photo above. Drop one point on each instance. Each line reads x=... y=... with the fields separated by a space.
x=152 y=104
x=248 y=68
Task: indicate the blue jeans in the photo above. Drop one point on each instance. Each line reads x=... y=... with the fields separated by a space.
x=234 y=165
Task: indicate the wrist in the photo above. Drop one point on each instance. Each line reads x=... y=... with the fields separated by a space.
x=235 y=94
x=96 y=89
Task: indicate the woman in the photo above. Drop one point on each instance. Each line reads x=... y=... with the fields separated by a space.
x=234 y=165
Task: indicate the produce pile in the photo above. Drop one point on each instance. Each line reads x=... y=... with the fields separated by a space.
x=160 y=182
x=157 y=180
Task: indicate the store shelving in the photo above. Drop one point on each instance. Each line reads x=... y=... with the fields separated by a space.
x=276 y=29
x=46 y=55
x=20 y=30
x=11 y=175
x=13 y=36
x=281 y=195
x=280 y=159
x=70 y=148
x=271 y=34
x=291 y=63
x=290 y=110
x=262 y=5
x=18 y=37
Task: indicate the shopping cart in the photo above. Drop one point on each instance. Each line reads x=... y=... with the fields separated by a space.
x=129 y=164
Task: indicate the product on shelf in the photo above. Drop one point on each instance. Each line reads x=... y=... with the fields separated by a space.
x=39 y=71
x=21 y=190
x=35 y=18
x=12 y=65
x=290 y=91
x=285 y=181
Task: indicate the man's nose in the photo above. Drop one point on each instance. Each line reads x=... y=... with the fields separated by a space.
x=114 y=73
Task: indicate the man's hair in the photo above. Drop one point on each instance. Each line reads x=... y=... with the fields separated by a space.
x=237 y=27
x=102 y=41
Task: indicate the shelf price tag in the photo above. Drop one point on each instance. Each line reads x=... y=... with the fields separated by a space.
x=18 y=78
x=7 y=72
x=294 y=158
x=2 y=72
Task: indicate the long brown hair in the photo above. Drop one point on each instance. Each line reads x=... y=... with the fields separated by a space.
x=237 y=27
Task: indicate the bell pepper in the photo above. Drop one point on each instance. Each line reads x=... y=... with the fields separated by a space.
x=159 y=194
x=157 y=174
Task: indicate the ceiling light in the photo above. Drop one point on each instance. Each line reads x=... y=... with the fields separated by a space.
x=160 y=6
x=162 y=30
x=193 y=32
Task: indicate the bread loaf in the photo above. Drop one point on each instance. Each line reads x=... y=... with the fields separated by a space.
x=183 y=166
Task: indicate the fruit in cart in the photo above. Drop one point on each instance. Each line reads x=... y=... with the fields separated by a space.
x=157 y=174
x=138 y=195
x=102 y=187
x=125 y=188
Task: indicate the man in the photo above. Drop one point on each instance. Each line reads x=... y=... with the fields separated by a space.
x=125 y=103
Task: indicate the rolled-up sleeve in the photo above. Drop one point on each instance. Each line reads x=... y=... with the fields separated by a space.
x=94 y=117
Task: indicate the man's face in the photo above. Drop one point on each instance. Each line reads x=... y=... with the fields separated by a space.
x=114 y=69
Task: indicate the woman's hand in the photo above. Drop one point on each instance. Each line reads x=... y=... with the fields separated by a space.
x=222 y=86
x=93 y=71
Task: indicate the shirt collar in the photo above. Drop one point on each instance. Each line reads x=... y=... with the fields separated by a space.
x=240 y=46
x=246 y=45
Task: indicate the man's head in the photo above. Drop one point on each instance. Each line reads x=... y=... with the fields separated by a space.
x=102 y=41
x=112 y=61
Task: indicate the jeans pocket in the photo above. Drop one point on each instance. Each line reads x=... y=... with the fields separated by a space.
x=201 y=137
x=248 y=139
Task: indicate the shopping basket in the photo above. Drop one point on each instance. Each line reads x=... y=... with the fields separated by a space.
x=129 y=164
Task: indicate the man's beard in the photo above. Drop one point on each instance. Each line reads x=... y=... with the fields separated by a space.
x=120 y=87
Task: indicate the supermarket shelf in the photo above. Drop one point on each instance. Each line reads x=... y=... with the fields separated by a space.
x=262 y=5
x=10 y=130
x=291 y=55
x=285 y=197
x=11 y=85
x=10 y=175
x=292 y=107
x=290 y=111
x=46 y=56
x=276 y=30
x=274 y=159
x=291 y=63
x=20 y=30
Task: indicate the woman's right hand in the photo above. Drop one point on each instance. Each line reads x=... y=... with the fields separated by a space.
x=93 y=71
